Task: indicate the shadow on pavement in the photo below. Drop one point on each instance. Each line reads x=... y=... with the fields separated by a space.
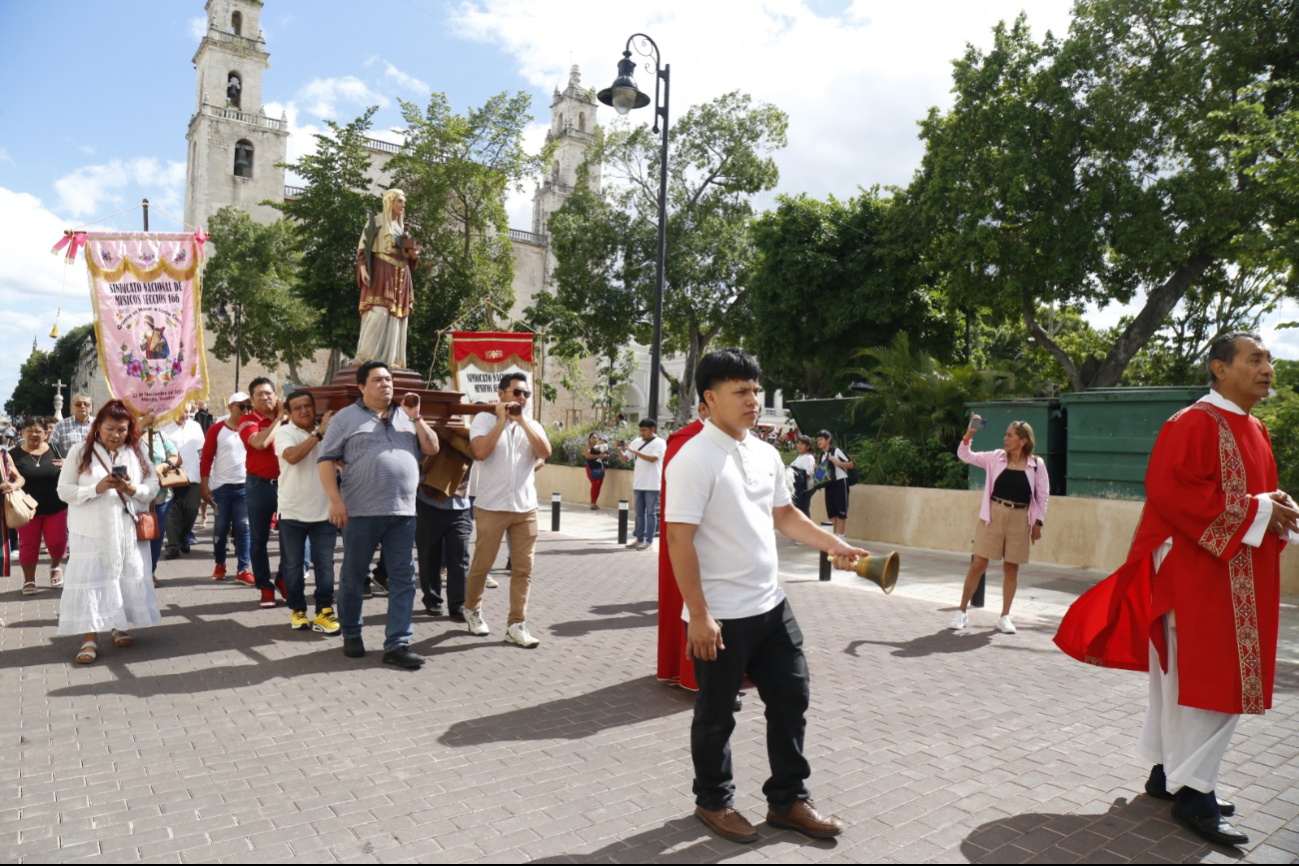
x=577 y=717
x=1140 y=830
x=685 y=840
x=651 y=606
x=945 y=641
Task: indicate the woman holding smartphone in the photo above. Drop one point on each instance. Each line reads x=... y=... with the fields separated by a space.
x=1010 y=518
x=106 y=481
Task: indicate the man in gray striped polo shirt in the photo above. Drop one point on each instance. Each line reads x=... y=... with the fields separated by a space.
x=378 y=445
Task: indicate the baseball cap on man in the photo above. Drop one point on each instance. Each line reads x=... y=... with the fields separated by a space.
x=237 y=397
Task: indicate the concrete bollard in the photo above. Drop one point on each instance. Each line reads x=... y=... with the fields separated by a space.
x=825 y=557
x=622 y=521
x=555 y=500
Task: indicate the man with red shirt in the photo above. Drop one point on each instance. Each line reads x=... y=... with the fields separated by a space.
x=257 y=429
x=1197 y=604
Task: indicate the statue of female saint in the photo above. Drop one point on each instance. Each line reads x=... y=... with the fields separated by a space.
x=385 y=258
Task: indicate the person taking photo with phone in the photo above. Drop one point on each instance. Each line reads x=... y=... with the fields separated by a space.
x=1010 y=518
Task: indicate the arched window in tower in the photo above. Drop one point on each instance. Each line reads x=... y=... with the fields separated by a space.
x=243 y=158
x=581 y=121
x=234 y=87
x=237 y=24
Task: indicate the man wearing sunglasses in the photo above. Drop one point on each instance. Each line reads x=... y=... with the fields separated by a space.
x=507 y=445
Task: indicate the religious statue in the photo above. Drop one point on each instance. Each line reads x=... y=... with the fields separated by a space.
x=385 y=258
x=154 y=342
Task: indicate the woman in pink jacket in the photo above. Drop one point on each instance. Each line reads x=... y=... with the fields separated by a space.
x=1010 y=519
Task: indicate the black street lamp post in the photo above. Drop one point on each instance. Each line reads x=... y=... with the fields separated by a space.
x=623 y=96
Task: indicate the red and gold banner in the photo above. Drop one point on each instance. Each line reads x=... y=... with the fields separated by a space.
x=480 y=358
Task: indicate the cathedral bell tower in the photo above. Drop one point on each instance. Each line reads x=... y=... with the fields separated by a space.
x=233 y=145
x=572 y=124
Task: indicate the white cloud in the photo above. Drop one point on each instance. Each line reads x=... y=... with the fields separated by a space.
x=198 y=27
x=405 y=81
x=87 y=150
x=92 y=189
x=5 y=157
x=853 y=85
x=32 y=281
x=322 y=96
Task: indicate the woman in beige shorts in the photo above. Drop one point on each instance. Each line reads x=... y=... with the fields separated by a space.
x=1011 y=516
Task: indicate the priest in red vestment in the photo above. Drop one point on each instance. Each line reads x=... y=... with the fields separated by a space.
x=674 y=668
x=1200 y=592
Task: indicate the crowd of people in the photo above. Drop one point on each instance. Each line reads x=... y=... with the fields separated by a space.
x=1199 y=592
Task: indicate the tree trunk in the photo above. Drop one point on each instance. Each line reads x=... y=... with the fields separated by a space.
x=331 y=369
x=294 y=375
x=1107 y=373
x=1151 y=318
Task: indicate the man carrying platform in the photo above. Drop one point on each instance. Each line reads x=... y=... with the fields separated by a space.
x=1200 y=592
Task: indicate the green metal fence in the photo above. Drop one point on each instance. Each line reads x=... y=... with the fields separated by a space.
x=1111 y=434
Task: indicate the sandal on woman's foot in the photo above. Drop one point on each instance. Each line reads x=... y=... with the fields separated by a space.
x=29 y=587
x=56 y=577
x=88 y=653
x=122 y=639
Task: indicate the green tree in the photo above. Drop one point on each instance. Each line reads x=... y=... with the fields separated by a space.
x=830 y=278
x=328 y=218
x=456 y=170
x=248 y=293
x=1097 y=168
x=34 y=393
x=720 y=159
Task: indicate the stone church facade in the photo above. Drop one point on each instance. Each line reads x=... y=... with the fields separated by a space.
x=234 y=148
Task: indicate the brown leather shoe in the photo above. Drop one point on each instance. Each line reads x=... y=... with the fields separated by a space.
x=728 y=823
x=805 y=819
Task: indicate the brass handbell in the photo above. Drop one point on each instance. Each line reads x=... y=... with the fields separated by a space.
x=880 y=570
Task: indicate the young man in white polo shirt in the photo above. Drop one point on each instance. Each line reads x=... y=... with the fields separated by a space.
x=726 y=494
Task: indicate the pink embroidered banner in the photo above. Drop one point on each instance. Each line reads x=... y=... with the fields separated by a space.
x=146 y=291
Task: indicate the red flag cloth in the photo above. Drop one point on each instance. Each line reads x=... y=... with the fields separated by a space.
x=1206 y=468
x=674 y=667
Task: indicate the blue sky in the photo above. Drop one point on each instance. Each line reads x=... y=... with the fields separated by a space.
x=93 y=112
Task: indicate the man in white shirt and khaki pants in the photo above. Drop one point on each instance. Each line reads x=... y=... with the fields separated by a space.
x=507 y=445
x=726 y=494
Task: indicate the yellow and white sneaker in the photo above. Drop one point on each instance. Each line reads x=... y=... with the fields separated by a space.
x=298 y=620
x=325 y=622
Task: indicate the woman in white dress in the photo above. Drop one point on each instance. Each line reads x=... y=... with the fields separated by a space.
x=107 y=585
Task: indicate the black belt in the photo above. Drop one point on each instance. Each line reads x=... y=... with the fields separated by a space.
x=1007 y=503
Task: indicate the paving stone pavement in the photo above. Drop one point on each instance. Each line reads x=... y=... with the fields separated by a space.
x=222 y=735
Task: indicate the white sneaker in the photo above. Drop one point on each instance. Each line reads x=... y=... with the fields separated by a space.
x=1005 y=626
x=959 y=621
x=517 y=634
x=491 y=584
x=476 y=624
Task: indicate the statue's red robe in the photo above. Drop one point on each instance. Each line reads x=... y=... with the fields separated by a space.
x=1206 y=469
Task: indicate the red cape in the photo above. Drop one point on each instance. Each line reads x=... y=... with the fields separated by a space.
x=673 y=667
x=1206 y=469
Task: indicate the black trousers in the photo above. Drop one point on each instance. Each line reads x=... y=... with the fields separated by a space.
x=439 y=531
x=181 y=517
x=769 y=648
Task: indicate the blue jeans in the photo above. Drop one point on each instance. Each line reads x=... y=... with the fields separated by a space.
x=361 y=537
x=155 y=545
x=231 y=508
x=298 y=541
x=647 y=514
x=263 y=500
